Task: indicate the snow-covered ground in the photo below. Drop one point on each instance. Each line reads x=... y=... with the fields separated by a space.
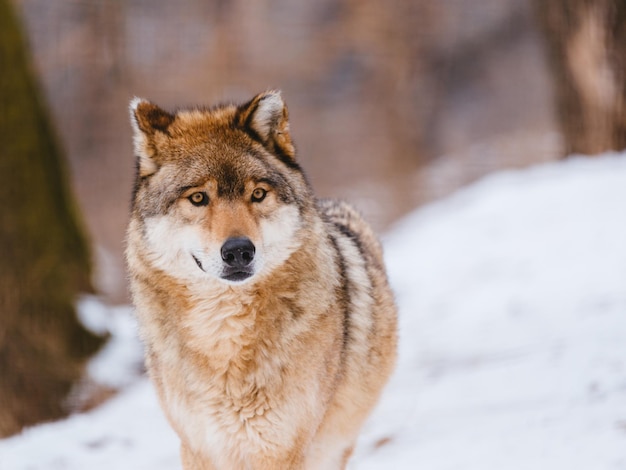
x=512 y=298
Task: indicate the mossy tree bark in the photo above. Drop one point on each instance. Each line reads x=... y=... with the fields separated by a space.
x=586 y=42
x=44 y=256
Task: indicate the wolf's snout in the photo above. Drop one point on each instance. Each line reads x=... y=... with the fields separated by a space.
x=238 y=252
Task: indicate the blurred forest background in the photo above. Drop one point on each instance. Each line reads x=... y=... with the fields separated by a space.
x=393 y=103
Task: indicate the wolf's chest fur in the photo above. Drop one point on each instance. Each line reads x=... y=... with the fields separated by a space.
x=230 y=357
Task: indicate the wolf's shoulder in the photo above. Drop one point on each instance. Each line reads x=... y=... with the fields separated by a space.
x=343 y=219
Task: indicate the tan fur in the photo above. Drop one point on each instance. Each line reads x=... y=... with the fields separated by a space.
x=279 y=370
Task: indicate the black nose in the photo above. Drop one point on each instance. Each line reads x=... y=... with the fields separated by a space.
x=238 y=252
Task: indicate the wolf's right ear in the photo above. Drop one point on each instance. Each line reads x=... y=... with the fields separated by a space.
x=147 y=119
x=266 y=118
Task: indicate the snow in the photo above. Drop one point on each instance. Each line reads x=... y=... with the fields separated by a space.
x=121 y=359
x=512 y=296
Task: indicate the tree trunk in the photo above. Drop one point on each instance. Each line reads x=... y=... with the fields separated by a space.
x=586 y=42
x=44 y=257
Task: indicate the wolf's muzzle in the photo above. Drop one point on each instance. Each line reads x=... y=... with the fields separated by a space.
x=237 y=254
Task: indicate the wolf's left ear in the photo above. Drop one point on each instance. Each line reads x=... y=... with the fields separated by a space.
x=147 y=120
x=266 y=119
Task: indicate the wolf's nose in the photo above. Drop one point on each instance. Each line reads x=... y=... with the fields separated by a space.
x=238 y=252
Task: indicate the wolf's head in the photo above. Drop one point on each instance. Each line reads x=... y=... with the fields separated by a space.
x=218 y=194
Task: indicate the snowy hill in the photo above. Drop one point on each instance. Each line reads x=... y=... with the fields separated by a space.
x=512 y=295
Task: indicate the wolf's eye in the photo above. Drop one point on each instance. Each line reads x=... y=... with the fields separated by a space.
x=258 y=194
x=199 y=199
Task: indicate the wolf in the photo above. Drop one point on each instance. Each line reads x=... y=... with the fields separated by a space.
x=268 y=322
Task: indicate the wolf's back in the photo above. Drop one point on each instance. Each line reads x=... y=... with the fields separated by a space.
x=351 y=224
x=370 y=311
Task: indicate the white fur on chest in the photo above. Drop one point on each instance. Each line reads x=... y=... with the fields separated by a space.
x=221 y=410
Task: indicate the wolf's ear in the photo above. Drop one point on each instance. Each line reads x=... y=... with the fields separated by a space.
x=265 y=117
x=147 y=119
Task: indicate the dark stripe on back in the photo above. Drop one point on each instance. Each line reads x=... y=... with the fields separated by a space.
x=352 y=236
x=355 y=238
x=343 y=294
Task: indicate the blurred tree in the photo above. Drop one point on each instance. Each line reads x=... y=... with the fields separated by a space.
x=44 y=257
x=586 y=44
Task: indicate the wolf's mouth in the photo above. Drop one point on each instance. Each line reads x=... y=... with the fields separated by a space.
x=237 y=276
x=198 y=262
x=229 y=274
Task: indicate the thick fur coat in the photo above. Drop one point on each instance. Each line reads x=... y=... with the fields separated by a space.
x=267 y=319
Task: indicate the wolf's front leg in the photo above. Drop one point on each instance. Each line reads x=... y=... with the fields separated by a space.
x=193 y=461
